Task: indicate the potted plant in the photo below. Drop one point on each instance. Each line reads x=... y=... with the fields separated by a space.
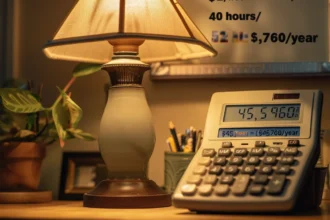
x=27 y=128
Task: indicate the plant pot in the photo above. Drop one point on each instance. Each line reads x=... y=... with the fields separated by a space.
x=20 y=166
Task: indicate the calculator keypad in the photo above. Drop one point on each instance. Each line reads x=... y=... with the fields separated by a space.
x=257 y=152
x=240 y=171
x=256 y=189
x=225 y=152
x=216 y=170
x=236 y=161
x=211 y=179
x=221 y=190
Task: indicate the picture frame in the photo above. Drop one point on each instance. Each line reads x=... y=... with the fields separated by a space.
x=241 y=54
x=210 y=70
x=81 y=172
x=8 y=31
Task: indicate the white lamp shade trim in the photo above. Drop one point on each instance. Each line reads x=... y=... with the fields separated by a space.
x=169 y=32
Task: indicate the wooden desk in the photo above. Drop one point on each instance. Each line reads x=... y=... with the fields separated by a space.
x=74 y=210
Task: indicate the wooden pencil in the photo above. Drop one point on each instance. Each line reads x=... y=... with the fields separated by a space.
x=174 y=135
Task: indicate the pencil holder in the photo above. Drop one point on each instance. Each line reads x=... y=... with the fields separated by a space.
x=175 y=166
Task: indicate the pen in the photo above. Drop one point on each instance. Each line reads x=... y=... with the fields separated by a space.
x=183 y=141
x=175 y=137
x=199 y=140
x=194 y=139
x=189 y=147
x=188 y=132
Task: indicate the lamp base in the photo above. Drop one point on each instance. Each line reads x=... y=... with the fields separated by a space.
x=127 y=194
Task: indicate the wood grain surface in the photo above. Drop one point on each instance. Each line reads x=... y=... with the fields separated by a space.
x=74 y=210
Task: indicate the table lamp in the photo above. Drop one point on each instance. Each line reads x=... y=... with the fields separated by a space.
x=124 y=35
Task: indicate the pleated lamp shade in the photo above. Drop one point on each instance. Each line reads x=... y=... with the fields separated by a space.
x=168 y=31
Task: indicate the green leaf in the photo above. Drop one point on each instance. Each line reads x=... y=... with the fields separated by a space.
x=51 y=131
x=25 y=134
x=78 y=133
x=74 y=110
x=20 y=101
x=61 y=118
x=31 y=120
x=85 y=69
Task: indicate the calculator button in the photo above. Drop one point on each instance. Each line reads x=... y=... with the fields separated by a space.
x=208 y=152
x=260 y=144
x=205 y=190
x=276 y=184
x=227 y=179
x=189 y=189
x=211 y=179
x=283 y=169
x=274 y=151
x=240 y=152
x=199 y=170
x=287 y=160
x=220 y=161
x=257 y=152
x=224 y=152
x=294 y=143
x=240 y=185
x=231 y=170
x=265 y=169
x=216 y=170
x=248 y=169
x=260 y=179
x=291 y=151
x=221 y=190
x=270 y=160
x=194 y=179
x=256 y=189
x=206 y=161
x=253 y=160
x=227 y=144
x=236 y=161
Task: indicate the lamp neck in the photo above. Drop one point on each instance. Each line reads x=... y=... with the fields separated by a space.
x=126 y=44
x=126 y=69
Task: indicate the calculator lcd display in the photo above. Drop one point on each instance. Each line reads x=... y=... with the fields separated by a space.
x=245 y=113
x=259 y=132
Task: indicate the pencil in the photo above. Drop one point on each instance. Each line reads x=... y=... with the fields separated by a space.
x=175 y=137
x=171 y=144
x=179 y=135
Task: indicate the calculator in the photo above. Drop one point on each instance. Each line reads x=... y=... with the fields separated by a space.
x=258 y=151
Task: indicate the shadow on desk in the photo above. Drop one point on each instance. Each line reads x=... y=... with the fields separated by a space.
x=322 y=212
x=71 y=210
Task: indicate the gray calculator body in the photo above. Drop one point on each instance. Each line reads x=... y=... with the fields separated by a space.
x=259 y=148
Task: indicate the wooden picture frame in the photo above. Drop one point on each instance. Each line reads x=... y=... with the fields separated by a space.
x=3 y=27
x=81 y=172
x=8 y=39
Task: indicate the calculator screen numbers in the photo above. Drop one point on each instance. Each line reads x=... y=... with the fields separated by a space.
x=248 y=113
x=259 y=132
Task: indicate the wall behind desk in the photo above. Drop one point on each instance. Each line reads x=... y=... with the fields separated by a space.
x=184 y=102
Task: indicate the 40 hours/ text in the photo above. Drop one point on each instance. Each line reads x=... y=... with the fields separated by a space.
x=219 y=16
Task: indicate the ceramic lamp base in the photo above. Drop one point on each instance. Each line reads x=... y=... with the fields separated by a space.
x=127 y=194
x=25 y=197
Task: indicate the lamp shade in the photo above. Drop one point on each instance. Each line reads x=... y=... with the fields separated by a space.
x=167 y=31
